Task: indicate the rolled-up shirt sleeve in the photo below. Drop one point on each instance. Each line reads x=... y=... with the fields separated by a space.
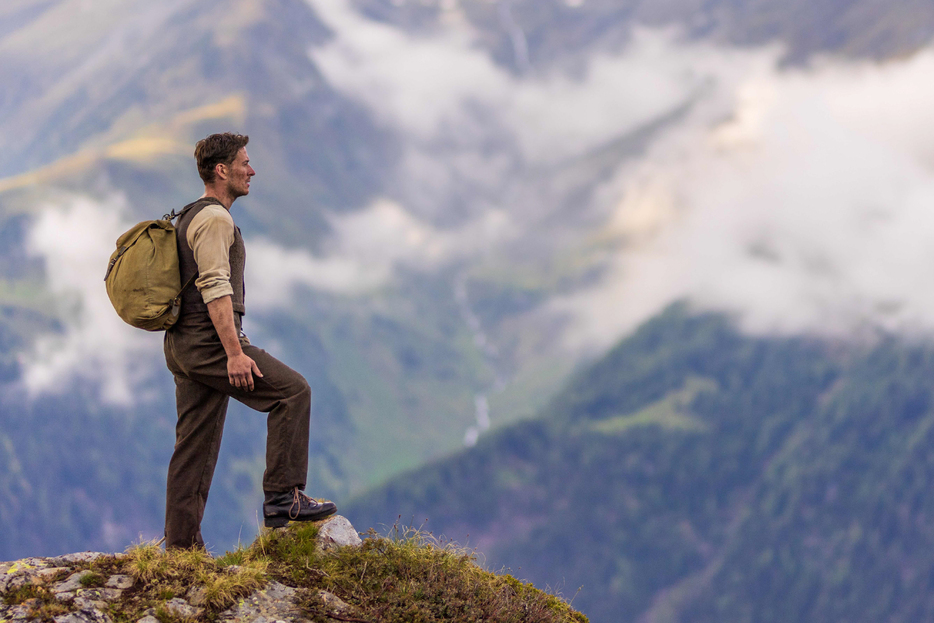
x=210 y=235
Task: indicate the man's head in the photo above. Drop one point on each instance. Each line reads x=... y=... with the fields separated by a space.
x=223 y=161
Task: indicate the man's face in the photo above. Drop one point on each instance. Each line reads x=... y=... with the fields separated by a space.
x=239 y=173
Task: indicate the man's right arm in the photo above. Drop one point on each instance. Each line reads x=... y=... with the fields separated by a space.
x=210 y=234
x=240 y=367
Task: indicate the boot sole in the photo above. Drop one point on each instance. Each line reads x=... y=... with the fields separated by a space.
x=276 y=522
x=281 y=522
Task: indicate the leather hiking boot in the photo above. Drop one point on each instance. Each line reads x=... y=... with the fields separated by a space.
x=281 y=508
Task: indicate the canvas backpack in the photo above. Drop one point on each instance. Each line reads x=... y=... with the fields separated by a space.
x=142 y=278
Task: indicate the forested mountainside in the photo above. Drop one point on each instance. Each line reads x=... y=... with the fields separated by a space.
x=697 y=475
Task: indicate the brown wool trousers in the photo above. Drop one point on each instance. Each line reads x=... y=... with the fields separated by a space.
x=195 y=356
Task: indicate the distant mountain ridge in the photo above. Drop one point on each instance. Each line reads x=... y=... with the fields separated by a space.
x=532 y=34
x=696 y=475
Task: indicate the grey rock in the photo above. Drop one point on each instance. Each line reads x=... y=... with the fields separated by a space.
x=66 y=596
x=110 y=594
x=120 y=581
x=100 y=594
x=29 y=563
x=195 y=596
x=18 y=613
x=148 y=619
x=87 y=602
x=47 y=575
x=278 y=591
x=333 y=603
x=11 y=582
x=20 y=572
x=92 y=615
x=181 y=608
x=73 y=582
x=273 y=603
x=74 y=559
x=337 y=531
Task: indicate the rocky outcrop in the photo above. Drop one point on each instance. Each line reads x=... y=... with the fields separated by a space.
x=80 y=603
x=304 y=572
x=81 y=594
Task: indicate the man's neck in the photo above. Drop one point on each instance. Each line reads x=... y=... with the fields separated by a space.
x=219 y=194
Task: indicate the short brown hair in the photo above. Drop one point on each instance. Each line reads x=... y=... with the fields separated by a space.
x=217 y=149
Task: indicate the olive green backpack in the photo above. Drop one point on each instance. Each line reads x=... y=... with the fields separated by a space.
x=142 y=278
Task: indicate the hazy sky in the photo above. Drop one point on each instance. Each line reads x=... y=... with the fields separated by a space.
x=798 y=199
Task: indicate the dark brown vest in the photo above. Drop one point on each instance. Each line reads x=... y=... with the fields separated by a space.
x=191 y=298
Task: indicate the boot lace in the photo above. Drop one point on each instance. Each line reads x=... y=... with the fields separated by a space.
x=298 y=500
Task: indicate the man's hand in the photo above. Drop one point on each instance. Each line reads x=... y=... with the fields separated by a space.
x=240 y=371
x=240 y=367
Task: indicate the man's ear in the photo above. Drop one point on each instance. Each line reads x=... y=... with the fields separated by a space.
x=220 y=170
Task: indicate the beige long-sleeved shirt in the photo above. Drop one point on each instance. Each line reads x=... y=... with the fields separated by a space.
x=210 y=235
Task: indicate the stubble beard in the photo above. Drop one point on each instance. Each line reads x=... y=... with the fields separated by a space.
x=236 y=192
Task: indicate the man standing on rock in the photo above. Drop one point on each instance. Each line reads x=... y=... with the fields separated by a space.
x=212 y=360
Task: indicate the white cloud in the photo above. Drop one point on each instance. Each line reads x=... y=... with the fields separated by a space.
x=796 y=198
x=367 y=246
x=808 y=211
x=416 y=83
x=442 y=84
x=75 y=239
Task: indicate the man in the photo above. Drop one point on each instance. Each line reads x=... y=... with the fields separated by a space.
x=212 y=360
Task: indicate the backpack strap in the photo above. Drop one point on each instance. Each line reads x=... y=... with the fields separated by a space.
x=177 y=301
x=178 y=215
x=190 y=281
x=173 y=214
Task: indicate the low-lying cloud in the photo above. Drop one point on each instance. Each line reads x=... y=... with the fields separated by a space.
x=364 y=253
x=797 y=199
x=75 y=239
x=440 y=84
x=807 y=210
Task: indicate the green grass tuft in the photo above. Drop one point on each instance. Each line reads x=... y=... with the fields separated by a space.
x=92 y=580
x=410 y=576
x=162 y=575
x=42 y=604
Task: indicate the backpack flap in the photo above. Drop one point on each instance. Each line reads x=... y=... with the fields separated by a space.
x=142 y=277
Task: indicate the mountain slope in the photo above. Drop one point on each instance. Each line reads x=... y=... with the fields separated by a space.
x=529 y=35
x=694 y=474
